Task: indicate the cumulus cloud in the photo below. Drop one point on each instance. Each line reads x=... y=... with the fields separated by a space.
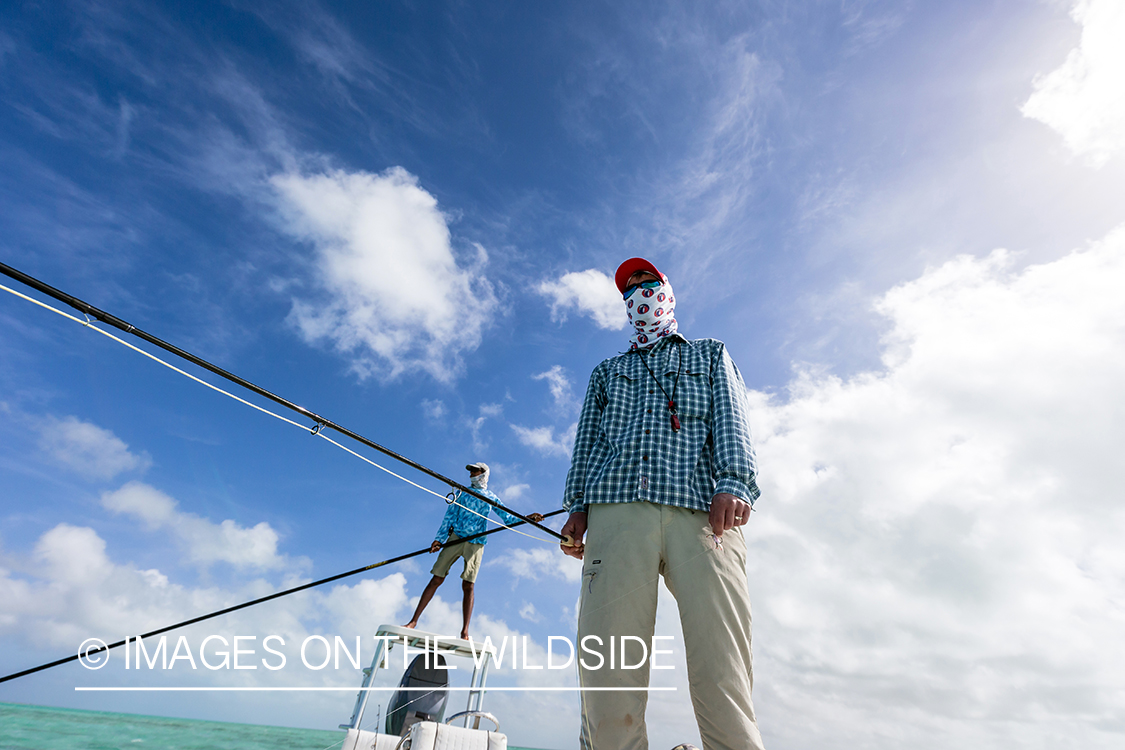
x=514 y=492
x=77 y=590
x=538 y=563
x=206 y=542
x=590 y=293
x=55 y=608
x=393 y=295
x=545 y=440
x=72 y=586
x=366 y=605
x=937 y=555
x=1084 y=98
x=89 y=450
x=73 y=589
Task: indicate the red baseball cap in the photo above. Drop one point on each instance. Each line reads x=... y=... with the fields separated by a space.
x=630 y=267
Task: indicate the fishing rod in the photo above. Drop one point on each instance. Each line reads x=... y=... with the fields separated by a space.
x=251 y=603
x=320 y=422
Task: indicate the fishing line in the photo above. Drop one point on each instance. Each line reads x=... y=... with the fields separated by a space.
x=260 y=600
x=89 y=310
x=319 y=433
x=426 y=489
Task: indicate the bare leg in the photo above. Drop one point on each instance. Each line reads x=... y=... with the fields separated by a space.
x=427 y=595
x=466 y=607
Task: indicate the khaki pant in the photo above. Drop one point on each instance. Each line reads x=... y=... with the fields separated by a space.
x=628 y=546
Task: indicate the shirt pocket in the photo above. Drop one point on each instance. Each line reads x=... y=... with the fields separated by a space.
x=623 y=406
x=693 y=394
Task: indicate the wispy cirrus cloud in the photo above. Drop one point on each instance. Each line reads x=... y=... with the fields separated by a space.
x=560 y=386
x=549 y=440
x=433 y=408
x=485 y=412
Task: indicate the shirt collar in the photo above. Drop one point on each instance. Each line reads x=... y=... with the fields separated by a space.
x=665 y=342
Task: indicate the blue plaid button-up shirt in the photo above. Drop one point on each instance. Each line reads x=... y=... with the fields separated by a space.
x=463 y=523
x=625 y=450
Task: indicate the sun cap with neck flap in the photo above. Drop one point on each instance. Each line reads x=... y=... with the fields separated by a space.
x=480 y=481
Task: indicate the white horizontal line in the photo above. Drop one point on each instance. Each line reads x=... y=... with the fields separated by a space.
x=368 y=689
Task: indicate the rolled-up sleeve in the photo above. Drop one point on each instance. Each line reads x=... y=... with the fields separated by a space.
x=589 y=425
x=734 y=465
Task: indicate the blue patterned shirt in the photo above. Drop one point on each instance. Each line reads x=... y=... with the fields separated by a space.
x=625 y=450
x=463 y=523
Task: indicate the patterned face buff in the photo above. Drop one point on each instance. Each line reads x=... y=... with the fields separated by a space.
x=652 y=314
x=479 y=482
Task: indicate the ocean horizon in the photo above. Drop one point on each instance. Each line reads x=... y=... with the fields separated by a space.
x=30 y=727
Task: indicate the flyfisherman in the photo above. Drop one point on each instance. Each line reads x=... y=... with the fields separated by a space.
x=661 y=480
x=465 y=516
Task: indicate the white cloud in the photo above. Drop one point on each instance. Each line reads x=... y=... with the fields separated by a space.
x=590 y=293
x=61 y=606
x=513 y=492
x=366 y=605
x=72 y=589
x=485 y=412
x=559 y=384
x=1084 y=99
x=206 y=542
x=87 y=449
x=529 y=613
x=77 y=591
x=433 y=409
x=394 y=296
x=937 y=557
x=544 y=439
x=540 y=562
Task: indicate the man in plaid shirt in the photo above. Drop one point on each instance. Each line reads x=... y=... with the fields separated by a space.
x=661 y=481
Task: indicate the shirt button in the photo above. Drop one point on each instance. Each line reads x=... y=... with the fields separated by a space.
x=647 y=431
x=649 y=411
x=644 y=458
x=651 y=390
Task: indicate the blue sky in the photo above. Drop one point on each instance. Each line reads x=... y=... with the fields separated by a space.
x=902 y=218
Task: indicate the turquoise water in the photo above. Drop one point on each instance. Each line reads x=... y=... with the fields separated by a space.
x=42 y=728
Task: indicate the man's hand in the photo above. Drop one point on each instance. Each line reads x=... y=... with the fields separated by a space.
x=575 y=528
x=728 y=511
x=435 y=545
x=537 y=517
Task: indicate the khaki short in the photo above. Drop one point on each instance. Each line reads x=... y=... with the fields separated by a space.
x=472 y=552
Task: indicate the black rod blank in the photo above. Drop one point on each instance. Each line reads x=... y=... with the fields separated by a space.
x=87 y=309
x=261 y=600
